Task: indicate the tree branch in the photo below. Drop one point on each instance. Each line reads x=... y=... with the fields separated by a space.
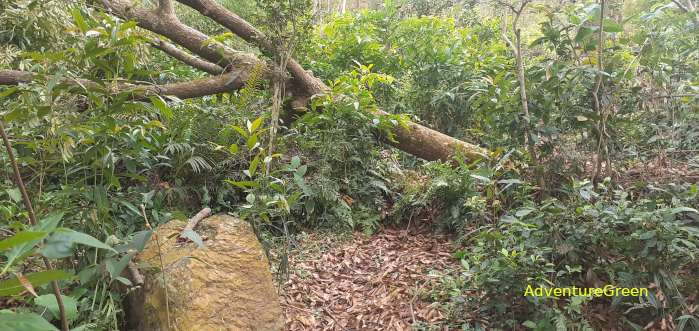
x=186 y=58
x=192 y=223
x=249 y=33
x=184 y=90
x=681 y=6
x=166 y=7
x=193 y=40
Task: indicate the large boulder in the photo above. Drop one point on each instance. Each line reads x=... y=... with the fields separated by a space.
x=226 y=285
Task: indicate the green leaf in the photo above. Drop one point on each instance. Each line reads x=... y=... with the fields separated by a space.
x=240 y=131
x=510 y=181
x=79 y=20
x=252 y=141
x=115 y=267
x=123 y=280
x=242 y=184
x=253 y=166
x=233 y=148
x=611 y=26
x=97 y=52
x=13 y=286
x=14 y=194
x=23 y=321
x=49 y=301
x=583 y=32
x=60 y=244
x=47 y=224
x=21 y=238
x=482 y=178
x=139 y=240
x=250 y=198
x=15 y=114
x=677 y=210
x=529 y=324
x=647 y=235
x=193 y=236
x=128 y=26
x=301 y=171
x=50 y=222
x=524 y=212
x=255 y=124
x=100 y=197
x=8 y=92
x=162 y=106
x=295 y=162
x=87 y=274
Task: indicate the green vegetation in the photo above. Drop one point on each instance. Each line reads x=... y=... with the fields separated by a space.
x=594 y=184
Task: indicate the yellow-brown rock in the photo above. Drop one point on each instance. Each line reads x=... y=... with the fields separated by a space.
x=227 y=285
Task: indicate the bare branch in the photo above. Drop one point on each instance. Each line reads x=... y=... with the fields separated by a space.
x=187 y=58
x=184 y=90
x=681 y=6
x=192 y=223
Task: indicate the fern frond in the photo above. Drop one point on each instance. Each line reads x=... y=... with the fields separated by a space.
x=247 y=94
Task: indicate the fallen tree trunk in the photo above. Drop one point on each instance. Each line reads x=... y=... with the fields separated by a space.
x=415 y=139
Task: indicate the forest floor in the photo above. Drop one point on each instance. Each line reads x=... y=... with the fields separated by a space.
x=365 y=282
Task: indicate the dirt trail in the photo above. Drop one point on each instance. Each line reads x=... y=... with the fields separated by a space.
x=366 y=283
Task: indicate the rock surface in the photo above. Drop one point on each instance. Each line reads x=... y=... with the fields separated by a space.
x=227 y=285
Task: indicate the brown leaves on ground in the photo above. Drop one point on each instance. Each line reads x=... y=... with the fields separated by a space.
x=369 y=283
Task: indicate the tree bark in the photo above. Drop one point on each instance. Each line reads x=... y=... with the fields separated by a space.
x=187 y=58
x=184 y=90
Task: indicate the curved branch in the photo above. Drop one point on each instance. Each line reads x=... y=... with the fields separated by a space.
x=169 y=26
x=187 y=58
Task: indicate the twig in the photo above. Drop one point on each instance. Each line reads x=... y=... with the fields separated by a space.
x=162 y=267
x=673 y=96
x=683 y=151
x=192 y=223
x=602 y=124
x=33 y=222
x=187 y=58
